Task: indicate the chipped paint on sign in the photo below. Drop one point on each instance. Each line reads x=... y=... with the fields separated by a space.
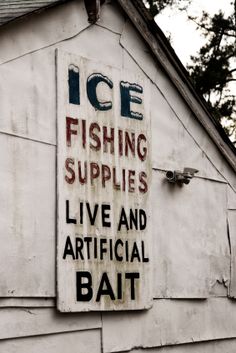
x=103 y=182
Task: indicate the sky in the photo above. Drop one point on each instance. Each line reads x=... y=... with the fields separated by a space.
x=185 y=39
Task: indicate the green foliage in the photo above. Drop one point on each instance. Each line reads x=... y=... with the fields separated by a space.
x=213 y=69
x=156 y=6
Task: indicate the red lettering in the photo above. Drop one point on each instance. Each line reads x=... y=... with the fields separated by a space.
x=94 y=171
x=106 y=174
x=108 y=139
x=129 y=144
x=69 y=131
x=120 y=134
x=70 y=179
x=116 y=185
x=84 y=133
x=141 y=153
x=131 y=180
x=95 y=137
x=82 y=180
x=142 y=178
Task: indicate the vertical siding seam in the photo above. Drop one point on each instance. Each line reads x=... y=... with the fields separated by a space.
x=230 y=252
x=101 y=334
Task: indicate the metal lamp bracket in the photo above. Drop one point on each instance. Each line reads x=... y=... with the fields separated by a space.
x=181 y=178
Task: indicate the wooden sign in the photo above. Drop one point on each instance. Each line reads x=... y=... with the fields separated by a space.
x=103 y=187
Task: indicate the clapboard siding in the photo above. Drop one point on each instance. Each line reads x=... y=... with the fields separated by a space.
x=137 y=49
x=24 y=322
x=218 y=346
x=32 y=115
x=191 y=259
x=232 y=239
x=193 y=255
x=27 y=226
x=170 y=322
x=10 y=10
x=71 y=342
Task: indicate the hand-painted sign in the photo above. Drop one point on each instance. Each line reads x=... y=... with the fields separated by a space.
x=103 y=187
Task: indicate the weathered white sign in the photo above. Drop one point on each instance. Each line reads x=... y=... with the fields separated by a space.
x=103 y=187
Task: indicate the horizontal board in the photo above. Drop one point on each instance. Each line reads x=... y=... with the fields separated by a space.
x=27 y=218
x=73 y=342
x=191 y=252
x=27 y=302
x=19 y=322
x=170 y=322
x=219 y=346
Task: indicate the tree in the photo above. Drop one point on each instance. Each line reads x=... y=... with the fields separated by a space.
x=213 y=69
x=156 y=6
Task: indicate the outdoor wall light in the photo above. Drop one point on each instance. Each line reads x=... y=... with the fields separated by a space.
x=181 y=177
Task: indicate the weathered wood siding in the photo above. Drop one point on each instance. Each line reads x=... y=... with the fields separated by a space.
x=194 y=275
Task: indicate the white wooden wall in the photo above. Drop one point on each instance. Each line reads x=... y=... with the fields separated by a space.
x=194 y=227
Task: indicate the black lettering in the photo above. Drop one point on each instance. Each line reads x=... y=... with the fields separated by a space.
x=73 y=81
x=144 y=259
x=81 y=212
x=119 y=286
x=68 y=219
x=132 y=276
x=127 y=98
x=127 y=250
x=135 y=253
x=105 y=291
x=117 y=256
x=103 y=250
x=80 y=285
x=133 y=219
x=106 y=216
x=68 y=249
x=111 y=249
x=142 y=219
x=88 y=241
x=95 y=248
x=92 y=82
x=92 y=217
x=123 y=220
x=79 y=244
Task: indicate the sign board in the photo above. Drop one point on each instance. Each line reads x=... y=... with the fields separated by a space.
x=103 y=187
